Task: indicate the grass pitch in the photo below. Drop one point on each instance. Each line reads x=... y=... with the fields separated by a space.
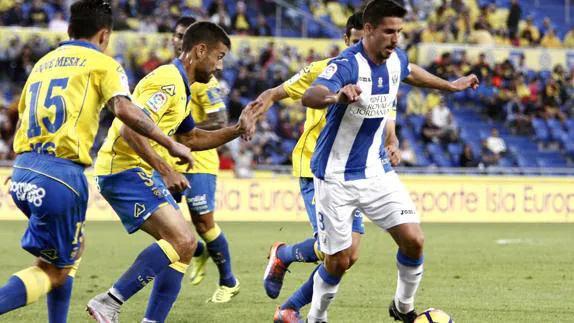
x=475 y=272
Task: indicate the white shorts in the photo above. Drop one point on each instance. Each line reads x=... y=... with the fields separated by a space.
x=383 y=199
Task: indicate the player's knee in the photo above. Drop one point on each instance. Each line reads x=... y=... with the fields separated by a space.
x=339 y=262
x=57 y=275
x=354 y=258
x=185 y=245
x=414 y=245
x=203 y=223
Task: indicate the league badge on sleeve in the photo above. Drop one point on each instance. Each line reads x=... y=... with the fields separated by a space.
x=329 y=71
x=156 y=101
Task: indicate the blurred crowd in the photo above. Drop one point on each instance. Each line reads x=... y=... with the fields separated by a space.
x=509 y=93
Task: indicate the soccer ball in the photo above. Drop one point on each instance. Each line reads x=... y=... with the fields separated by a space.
x=433 y=315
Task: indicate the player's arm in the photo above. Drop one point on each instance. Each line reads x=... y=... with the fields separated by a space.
x=174 y=181
x=335 y=85
x=198 y=139
x=215 y=120
x=421 y=78
x=392 y=142
x=136 y=119
x=211 y=102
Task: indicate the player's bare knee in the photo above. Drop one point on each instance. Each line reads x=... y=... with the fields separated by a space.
x=354 y=258
x=413 y=245
x=57 y=275
x=185 y=245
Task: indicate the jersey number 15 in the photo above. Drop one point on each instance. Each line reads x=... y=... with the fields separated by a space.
x=50 y=101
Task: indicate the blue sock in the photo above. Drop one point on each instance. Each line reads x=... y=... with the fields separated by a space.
x=199 y=249
x=149 y=263
x=164 y=293
x=219 y=251
x=302 y=296
x=303 y=251
x=59 y=302
x=12 y=295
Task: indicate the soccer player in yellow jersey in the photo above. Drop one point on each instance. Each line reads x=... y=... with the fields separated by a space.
x=143 y=201
x=59 y=111
x=209 y=112
x=281 y=254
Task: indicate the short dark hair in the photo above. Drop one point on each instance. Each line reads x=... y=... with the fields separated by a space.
x=87 y=17
x=204 y=32
x=376 y=10
x=354 y=22
x=185 y=21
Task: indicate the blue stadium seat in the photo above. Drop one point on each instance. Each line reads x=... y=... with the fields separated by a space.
x=287 y=145
x=442 y=160
x=526 y=162
x=570 y=123
x=455 y=150
x=541 y=132
x=417 y=122
x=569 y=149
x=505 y=162
x=544 y=162
x=423 y=161
x=435 y=149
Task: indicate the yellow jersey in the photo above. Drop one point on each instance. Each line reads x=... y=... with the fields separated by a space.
x=163 y=95
x=61 y=101
x=315 y=118
x=205 y=99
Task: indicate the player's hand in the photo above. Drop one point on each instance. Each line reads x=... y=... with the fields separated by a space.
x=183 y=153
x=394 y=155
x=465 y=82
x=349 y=94
x=248 y=119
x=175 y=182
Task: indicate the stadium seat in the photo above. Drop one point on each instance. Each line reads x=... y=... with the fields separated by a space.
x=505 y=162
x=423 y=161
x=526 y=162
x=541 y=132
x=442 y=160
x=569 y=149
x=455 y=150
x=544 y=162
x=417 y=122
x=570 y=123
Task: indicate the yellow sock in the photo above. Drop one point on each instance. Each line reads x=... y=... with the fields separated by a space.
x=74 y=269
x=179 y=266
x=318 y=252
x=211 y=234
x=36 y=281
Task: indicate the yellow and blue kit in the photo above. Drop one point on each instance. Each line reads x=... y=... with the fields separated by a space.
x=123 y=178
x=59 y=112
x=315 y=120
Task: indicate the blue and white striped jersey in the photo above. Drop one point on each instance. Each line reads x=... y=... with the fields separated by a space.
x=351 y=146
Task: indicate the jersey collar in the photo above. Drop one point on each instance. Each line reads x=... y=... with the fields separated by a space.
x=81 y=43
x=177 y=62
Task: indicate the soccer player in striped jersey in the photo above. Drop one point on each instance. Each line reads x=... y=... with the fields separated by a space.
x=350 y=163
x=59 y=112
x=209 y=112
x=281 y=254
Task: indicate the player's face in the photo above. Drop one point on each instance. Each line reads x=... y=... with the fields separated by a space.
x=355 y=36
x=385 y=37
x=177 y=39
x=210 y=62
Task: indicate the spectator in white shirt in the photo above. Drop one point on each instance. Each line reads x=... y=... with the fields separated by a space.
x=494 y=143
x=58 y=24
x=442 y=119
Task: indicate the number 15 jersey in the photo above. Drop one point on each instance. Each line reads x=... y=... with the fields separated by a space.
x=61 y=101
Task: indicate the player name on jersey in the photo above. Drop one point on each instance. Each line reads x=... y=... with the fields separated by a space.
x=62 y=61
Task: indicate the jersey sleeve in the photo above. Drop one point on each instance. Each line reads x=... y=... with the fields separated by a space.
x=152 y=98
x=186 y=125
x=337 y=74
x=114 y=82
x=210 y=98
x=405 y=65
x=295 y=86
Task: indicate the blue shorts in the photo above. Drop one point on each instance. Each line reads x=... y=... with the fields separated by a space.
x=134 y=196
x=308 y=193
x=201 y=196
x=53 y=193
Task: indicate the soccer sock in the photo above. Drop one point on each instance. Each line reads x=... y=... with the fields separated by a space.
x=59 y=298
x=23 y=288
x=199 y=249
x=164 y=293
x=325 y=288
x=409 y=278
x=219 y=251
x=303 y=251
x=149 y=263
x=302 y=296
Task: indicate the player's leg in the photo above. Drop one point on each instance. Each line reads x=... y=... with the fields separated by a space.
x=58 y=299
x=144 y=203
x=282 y=255
x=336 y=204
x=201 y=203
x=387 y=203
x=56 y=210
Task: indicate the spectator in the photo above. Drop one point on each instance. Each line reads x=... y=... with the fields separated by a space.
x=239 y=23
x=222 y=19
x=487 y=157
x=226 y=161
x=148 y=25
x=261 y=28
x=234 y=107
x=546 y=26
x=261 y=83
x=516 y=118
x=480 y=35
x=569 y=38
x=121 y=20
x=243 y=82
x=513 y=19
x=494 y=143
x=529 y=34
x=466 y=158
x=14 y=16
x=165 y=52
x=58 y=24
x=482 y=68
x=416 y=104
x=430 y=132
x=408 y=155
x=442 y=119
x=37 y=17
x=550 y=40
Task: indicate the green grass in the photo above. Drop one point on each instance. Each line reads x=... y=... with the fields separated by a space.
x=467 y=274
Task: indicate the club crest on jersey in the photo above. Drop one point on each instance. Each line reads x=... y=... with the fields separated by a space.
x=380 y=82
x=395 y=78
x=329 y=71
x=157 y=101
